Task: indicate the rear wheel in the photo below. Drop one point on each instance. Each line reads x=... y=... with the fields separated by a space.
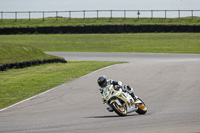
x=142 y=109
x=120 y=110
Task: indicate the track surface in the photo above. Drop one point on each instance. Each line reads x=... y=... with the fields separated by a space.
x=169 y=84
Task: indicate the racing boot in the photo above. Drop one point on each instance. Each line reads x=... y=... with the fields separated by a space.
x=110 y=109
x=133 y=96
x=130 y=91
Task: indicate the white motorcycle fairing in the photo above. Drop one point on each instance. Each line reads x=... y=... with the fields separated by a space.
x=119 y=99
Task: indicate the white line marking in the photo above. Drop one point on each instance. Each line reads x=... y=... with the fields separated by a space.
x=6 y=108
x=28 y=99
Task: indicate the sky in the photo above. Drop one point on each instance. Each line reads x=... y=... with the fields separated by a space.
x=67 y=5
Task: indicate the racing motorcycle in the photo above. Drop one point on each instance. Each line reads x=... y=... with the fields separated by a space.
x=122 y=102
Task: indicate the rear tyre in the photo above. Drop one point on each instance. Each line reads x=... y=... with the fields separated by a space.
x=120 y=110
x=142 y=109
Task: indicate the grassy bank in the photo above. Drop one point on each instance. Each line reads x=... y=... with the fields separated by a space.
x=19 y=84
x=99 y=21
x=141 y=42
x=20 y=53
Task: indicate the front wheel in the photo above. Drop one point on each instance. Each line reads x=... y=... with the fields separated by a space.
x=120 y=110
x=142 y=109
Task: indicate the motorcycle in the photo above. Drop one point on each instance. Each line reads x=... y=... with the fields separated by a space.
x=122 y=102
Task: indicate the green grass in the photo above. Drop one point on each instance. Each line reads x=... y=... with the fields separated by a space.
x=20 y=53
x=100 y=21
x=140 y=42
x=19 y=84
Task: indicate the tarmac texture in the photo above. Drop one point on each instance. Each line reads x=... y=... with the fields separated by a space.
x=169 y=84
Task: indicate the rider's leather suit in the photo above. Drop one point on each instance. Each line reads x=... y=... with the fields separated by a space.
x=118 y=84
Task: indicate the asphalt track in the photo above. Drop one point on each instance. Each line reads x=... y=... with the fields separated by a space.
x=169 y=84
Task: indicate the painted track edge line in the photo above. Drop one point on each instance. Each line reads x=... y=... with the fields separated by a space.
x=6 y=108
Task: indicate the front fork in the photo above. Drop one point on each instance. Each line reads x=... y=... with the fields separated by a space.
x=117 y=101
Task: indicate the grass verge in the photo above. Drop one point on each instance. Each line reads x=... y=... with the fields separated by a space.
x=21 y=53
x=99 y=21
x=140 y=42
x=16 y=85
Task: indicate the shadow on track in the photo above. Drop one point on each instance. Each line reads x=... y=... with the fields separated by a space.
x=111 y=116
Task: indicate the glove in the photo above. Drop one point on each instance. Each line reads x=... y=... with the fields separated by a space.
x=117 y=87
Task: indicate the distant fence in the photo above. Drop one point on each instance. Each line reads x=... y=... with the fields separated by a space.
x=100 y=29
x=99 y=14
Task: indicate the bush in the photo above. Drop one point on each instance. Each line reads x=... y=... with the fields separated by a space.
x=17 y=65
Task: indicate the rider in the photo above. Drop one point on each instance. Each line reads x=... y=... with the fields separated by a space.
x=103 y=82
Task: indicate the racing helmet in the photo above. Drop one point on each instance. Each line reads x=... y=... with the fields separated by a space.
x=102 y=81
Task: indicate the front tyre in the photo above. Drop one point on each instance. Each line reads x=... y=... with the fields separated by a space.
x=142 y=109
x=120 y=110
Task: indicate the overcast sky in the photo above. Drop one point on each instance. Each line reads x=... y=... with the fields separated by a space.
x=66 y=5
